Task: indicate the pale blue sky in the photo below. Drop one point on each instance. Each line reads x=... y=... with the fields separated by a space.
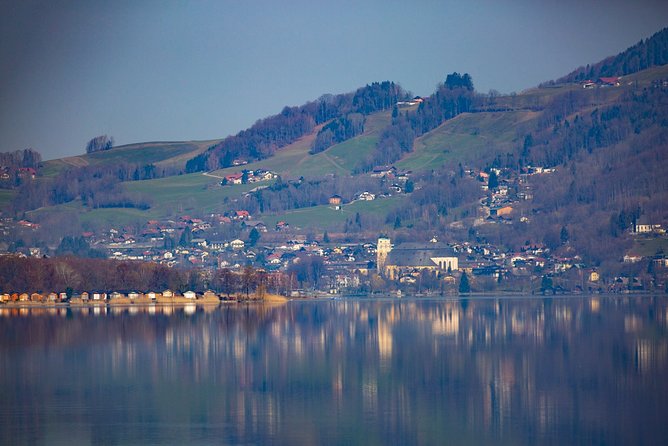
x=177 y=70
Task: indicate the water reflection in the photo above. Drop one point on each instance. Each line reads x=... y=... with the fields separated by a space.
x=515 y=371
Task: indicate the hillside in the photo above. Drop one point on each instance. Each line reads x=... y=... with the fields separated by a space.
x=163 y=154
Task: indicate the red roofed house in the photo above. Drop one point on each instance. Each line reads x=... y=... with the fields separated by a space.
x=234 y=178
x=610 y=81
x=241 y=215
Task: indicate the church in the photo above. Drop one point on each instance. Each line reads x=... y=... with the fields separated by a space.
x=407 y=258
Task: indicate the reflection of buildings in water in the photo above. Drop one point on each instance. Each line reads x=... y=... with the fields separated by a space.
x=644 y=355
x=632 y=323
x=446 y=322
x=384 y=341
x=594 y=304
x=370 y=393
x=546 y=412
x=563 y=314
x=189 y=309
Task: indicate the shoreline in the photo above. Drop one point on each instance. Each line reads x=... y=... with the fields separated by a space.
x=274 y=299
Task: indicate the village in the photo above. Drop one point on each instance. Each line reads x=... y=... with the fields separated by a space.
x=339 y=264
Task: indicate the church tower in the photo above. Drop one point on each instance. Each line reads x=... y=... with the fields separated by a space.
x=382 y=250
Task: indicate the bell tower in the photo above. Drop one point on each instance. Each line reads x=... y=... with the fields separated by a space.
x=383 y=248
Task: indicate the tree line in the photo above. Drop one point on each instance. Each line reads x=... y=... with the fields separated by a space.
x=647 y=53
x=76 y=275
x=96 y=187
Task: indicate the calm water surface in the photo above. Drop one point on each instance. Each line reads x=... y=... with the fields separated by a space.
x=574 y=370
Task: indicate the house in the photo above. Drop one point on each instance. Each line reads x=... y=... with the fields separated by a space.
x=632 y=258
x=233 y=178
x=27 y=172
x=237 y=244
x=24 y=297
x=383 y=171
x=610 y=81
x=366 y=196
x=152 y=295
x=501 y=211
x=241 y=215
x=115 y=295
x=36 y=297
x=643 y=226
x=208 y=294
x=99 y=296
x=189 y=295
x=217 y=245
x=52 y=297
x=281 y=225
x=133 y=295
x=260 y=226
x=335 y=200
x=588 y=84
x=168 y=293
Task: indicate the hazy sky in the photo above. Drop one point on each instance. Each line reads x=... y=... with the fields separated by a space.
x=176 y=70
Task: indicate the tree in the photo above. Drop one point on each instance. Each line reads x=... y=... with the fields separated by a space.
x=253 y=237
x=464 y=285
x=325 y=237
x=102 y=142
x=456 y=80
x=546 y=284
x=410 y=186
x=493 y=181
x=186 y=237
x=248 y=279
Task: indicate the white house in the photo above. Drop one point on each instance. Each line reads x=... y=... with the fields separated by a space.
x=366 y=196
x=237 y=244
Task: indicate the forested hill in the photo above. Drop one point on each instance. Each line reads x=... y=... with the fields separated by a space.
x=270 y=134
x=645 y=54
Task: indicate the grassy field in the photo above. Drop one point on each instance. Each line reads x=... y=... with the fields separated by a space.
x=649 y=246
x=193 y=193
x=465 y=138
x=6 y=197
x=160 y=153
x=171 y=197
x=294 y=160
x=326 y=217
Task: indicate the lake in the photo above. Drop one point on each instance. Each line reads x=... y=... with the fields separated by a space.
x=571 y=370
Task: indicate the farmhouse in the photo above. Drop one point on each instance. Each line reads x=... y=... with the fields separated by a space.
x=335 y=200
